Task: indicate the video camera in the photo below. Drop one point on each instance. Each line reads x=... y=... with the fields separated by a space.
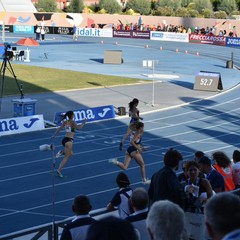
x=7 y=45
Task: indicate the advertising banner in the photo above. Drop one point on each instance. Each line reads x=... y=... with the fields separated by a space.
x=91 y=114
x=131 y=34
x=169 y=36
x=207 y=39
x=21 y=124
x=141 y=34
x=94 y=32
x=23 y=29
x=232 y=41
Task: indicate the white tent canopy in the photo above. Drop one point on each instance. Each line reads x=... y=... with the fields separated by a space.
x=17 y=6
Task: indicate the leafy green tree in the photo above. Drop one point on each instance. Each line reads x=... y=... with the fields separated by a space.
x=164 y=11
x=215 y=4
x=75 y=6
x=193 y=13
x=140 y=6
x=184 y=3
x=110 y=6
x=228 y=6
x=46 y=6
x=207 y=13
x=200 y=5
x=174 y=4
x=238 y=4
x=220 y=15
x=182 y=12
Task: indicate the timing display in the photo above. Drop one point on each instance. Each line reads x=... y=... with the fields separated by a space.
x=208 y=81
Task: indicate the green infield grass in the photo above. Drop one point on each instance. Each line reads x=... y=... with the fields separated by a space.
x=40 y=79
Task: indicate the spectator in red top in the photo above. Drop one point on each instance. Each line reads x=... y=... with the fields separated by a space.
x=224 y=167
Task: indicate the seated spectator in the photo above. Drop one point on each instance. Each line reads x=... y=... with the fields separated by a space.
x=165 y=221
x=194 y=187
x=224 y=166
x=139 y=202
x=78 y=228
x=214 y=177
x=120 y=200
x=222 y=216
x=111 y=228
x=236 y=168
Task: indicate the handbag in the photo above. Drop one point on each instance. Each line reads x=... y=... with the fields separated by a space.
x=195 y=226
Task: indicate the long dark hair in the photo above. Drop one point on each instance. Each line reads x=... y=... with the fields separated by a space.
x=68 y=114
x=222 y=159
x=132 y=103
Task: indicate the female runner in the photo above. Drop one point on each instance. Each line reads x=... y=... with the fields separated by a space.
x=70 y=126
x=134 y=150
x=133 y=111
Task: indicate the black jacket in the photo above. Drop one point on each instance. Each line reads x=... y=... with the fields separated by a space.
x=166 y=186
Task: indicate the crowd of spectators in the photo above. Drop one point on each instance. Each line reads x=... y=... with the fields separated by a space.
x=206 y=184
x=212 y=31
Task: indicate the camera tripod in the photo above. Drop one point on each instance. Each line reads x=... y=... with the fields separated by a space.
x=7 y=65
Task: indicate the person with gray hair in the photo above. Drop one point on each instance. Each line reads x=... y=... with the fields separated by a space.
x=165 y=221
x=222 y=216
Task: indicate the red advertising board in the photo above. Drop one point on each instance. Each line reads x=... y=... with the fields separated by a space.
x=207 y=39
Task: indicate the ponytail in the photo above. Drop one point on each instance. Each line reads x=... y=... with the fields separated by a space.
x=68 y=115
x=133 y=102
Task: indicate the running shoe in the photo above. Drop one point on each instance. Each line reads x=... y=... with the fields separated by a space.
x=113 y=161
x=59 y=154
x=59 y=174
x=146 y=181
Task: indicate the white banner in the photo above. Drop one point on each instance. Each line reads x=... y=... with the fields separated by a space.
x=169 y=36
x=94 y=32
x=21 y=124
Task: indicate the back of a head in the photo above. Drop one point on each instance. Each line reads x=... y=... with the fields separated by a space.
x=81 y=205
x=140 y=198
x=133 y=102
x=199 y=154
x=172 y=158
x=236 y=156
x=221 y=159
x=205 y=161
x=165 y=221
x=222 y=212
x=122 y=180
x=111 y=228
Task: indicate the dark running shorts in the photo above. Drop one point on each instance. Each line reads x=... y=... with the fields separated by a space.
x=66 y=139
x=131 y=149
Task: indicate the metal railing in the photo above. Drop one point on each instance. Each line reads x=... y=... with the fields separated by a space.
x=50 y=231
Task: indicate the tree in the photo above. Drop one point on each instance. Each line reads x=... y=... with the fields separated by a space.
x=46 y=6
x=184 y=3
x=220 y=15
x=207 y=13
x=215 y=4
x=110 y=6
x=182 y=12
x=174 y=4
x=193 y=13
x=164 y=11
x=228 y=6
x=140 y=6
x=200 y=5
x=75 y=6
